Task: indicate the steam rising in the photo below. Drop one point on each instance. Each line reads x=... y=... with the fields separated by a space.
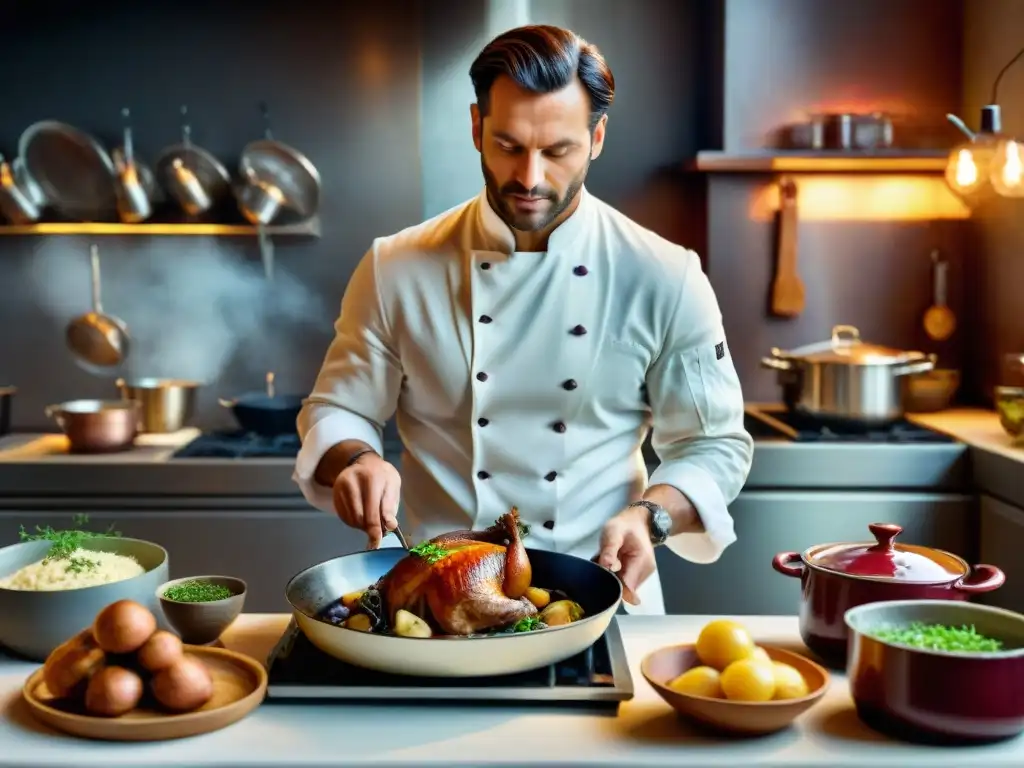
x=192 y=305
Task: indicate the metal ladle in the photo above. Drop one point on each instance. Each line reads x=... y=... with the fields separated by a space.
x=99 y=341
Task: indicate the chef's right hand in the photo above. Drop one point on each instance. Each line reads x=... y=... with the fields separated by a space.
x=366 y=496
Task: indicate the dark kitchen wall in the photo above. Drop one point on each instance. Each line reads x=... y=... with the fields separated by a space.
x=377 y=95
x=993 y=34
x=863 y=240
x=660 y=52
x=342 y=84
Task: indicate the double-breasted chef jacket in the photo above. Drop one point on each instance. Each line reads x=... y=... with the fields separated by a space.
x=532 y=379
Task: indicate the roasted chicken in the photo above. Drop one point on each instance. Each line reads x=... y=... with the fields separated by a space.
x=464 y=582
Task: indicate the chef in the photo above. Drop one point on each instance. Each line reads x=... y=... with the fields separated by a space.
x=527 y=340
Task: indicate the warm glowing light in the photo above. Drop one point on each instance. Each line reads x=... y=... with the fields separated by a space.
x=1008 y=169
x=969 y=167
x=865 y=198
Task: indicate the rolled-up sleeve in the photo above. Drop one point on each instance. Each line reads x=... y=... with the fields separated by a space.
x=697 y=407
x=357 y=389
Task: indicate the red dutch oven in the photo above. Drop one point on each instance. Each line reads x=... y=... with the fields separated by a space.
x=837 y=577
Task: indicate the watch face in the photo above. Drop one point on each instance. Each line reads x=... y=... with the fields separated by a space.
x=661 y=524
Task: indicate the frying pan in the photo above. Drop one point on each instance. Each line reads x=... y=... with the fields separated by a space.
x=596 y=589
x=266 y=413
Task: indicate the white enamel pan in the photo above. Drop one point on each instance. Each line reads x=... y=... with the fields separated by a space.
x=596 y=589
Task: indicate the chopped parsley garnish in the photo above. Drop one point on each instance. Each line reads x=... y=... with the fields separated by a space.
x=63 y=544
x=937 y=637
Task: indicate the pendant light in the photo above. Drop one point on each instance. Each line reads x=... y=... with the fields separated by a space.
x=988 y=159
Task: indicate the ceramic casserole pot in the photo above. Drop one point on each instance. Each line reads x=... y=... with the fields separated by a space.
x=837 y=577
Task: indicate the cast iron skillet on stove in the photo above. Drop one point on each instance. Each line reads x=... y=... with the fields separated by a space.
x=595 y=588
x=266 y=413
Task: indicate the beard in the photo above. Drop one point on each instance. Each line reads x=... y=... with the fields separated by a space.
x=500 y=196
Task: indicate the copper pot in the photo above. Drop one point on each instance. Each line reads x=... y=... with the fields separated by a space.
x=837 y=577
x=97 y=426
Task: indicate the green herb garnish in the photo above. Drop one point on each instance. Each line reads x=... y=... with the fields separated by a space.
x=937 y=637
x=196 y=591
x=430 y=552
x=63 y=544
x=529 y=624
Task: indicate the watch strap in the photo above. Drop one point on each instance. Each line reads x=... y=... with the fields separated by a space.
x=658 y=533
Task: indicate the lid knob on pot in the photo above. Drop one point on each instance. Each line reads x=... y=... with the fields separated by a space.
x=885 y=534
x=884 y=559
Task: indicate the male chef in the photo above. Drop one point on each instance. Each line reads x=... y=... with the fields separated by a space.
x=527 y=340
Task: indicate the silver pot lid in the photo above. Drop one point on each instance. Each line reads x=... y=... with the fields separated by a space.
x=846 y=348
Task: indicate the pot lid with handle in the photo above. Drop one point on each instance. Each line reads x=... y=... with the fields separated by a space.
x=886 y=560
x=846 y=347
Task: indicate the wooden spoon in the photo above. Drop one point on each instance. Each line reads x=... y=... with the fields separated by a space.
x=787 y=288
x=939 y=319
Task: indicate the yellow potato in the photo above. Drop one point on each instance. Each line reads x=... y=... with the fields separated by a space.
x=699 y=681
x=351 y=600
x=539 y=597
x=359 y=622
x=789 y=683
x=408 y=624
x=722 y=642
x=748 y=680
x=761 y=654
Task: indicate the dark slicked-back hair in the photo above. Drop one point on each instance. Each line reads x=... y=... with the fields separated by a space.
x=544 y=59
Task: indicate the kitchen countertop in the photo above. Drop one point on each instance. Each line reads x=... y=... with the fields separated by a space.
x=645 y=733
x=996 y=460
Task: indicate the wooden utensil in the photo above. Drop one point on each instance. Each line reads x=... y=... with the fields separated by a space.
x=939 y=319
x=787 y=288
x=239 y=686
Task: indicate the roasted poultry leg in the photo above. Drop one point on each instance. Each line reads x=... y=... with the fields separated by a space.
x=466 y=581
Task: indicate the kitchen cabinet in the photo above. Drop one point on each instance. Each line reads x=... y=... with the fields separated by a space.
x=1001 y=544
x=742 y=581
x=264 y=547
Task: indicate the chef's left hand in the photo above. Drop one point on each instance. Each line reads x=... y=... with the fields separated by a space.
x=626 y=549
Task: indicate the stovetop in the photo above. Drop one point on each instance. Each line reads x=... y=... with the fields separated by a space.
x=240 y=445
x=596 y=679
x=802 y=428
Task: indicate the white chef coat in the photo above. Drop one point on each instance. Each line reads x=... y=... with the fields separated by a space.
x=532 y=379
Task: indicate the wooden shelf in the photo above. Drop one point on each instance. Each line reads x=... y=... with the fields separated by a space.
x=781 y=161
x=310 y=228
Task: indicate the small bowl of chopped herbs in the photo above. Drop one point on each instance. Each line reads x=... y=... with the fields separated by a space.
x=200 y=608
x=938 y=671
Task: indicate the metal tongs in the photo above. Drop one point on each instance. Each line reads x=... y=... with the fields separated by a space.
x=401 y=537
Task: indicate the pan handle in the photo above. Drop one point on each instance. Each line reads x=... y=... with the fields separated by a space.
x=921 y=366
x=776 y=363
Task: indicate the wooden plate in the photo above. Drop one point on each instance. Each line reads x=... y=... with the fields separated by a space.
x=239 y=685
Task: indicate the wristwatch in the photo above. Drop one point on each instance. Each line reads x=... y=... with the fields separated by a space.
x=659 y=522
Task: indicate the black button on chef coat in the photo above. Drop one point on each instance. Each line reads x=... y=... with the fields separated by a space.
x=558 y=426
x=579 y=330
x=569 y=384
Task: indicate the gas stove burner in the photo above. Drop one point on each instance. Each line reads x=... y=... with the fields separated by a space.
x=240 y=445
x=803 y=428
x=597 y=679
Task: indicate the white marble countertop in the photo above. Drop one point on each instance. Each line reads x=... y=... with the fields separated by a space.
x=645 y=732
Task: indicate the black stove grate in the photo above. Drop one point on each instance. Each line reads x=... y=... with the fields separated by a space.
x=240 y=445
x=803 y=428
x=599 y=676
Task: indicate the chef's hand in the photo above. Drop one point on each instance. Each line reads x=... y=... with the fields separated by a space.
x=626 y=549
x=366 y=497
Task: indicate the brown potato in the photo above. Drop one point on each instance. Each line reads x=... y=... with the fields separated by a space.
x=160 y=651
x=123 y=627
x=183 y=686
x=70 y=666
x=113 y=691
